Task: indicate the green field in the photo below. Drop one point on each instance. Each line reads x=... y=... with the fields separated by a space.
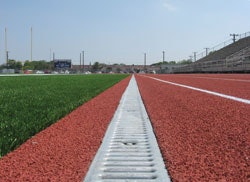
x=29 y=104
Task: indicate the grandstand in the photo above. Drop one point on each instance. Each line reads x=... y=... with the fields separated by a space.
x=234 y=57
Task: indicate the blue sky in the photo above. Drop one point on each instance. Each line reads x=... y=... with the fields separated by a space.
x=118 y=31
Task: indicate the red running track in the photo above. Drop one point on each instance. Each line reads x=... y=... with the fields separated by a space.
x=202 y=137
x=64 y=151
x=230 y=84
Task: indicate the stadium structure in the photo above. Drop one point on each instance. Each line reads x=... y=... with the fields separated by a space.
x=234 y=57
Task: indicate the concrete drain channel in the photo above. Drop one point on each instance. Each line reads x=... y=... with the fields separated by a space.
x=129 y=151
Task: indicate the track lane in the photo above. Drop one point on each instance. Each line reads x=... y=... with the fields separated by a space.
x=234 y=85
x=202 y=137
x=64 y=151
x=240 y=77
x=246 y=101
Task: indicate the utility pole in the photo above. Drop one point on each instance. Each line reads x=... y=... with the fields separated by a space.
x=234 y=35
x=145 y=61
x=6 y=50
x=195 y=56
x=50 y=54
x=83 y=60
x=53 y=56
x=206 y=51
x=190 y=58
x=7 y=58
x=163 y=56
x=80 y=61
x=31 y=44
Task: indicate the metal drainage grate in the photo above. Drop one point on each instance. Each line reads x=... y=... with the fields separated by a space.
x=129 y=151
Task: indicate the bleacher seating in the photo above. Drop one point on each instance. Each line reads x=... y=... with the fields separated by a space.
x=232 y=58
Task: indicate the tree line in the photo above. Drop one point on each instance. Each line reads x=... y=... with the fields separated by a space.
x=44 y=65
x=28 y=65
x=184 y=61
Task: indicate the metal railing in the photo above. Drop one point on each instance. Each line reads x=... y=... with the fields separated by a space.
x=217 y=66
x=201 y=54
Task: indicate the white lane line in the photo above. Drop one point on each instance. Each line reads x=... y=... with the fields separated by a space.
x=246 y=101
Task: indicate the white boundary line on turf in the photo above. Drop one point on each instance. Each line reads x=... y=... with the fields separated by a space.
x=246 y=101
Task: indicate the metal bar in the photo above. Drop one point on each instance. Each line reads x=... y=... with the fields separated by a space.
x=129 y=151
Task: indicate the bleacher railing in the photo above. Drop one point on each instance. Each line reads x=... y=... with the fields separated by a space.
x=239 y=61
x=225 y=43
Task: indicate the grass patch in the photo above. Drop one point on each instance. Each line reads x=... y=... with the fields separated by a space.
x=29 y=104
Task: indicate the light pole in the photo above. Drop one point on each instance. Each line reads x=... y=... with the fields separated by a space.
x=50 y=55
x=145 y=60
x=31 y=44
x=22 y=63
x=190 y=58
x=7 y=58
x=163 y=56
x=80 y=62
x=83 y=60
x=234 y=35
x=53 y=56
x=206 y=50
x=195 y=56
x=6 y=50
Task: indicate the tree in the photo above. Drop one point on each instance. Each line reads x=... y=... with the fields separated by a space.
x=95 y=66
x=11 y=64
x=159 y=63
x=34 y=65
x=108 y=69
x=40 y=65
x=118 y=70
x=211 y=52
x=28 y=65
x=19 y=65
x=172 y=62
x=185 y=61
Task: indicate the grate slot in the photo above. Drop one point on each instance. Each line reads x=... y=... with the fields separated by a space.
x=128 y=176
x=124 y=147
x=129 y=151
x=122 y=159
x=130 y=169
x=138 y=150
x=130 y=164
x=129 y=155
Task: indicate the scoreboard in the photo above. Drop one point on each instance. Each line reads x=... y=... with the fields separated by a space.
x=62 y=63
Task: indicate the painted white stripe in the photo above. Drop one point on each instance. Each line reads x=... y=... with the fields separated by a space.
x=246 y=101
